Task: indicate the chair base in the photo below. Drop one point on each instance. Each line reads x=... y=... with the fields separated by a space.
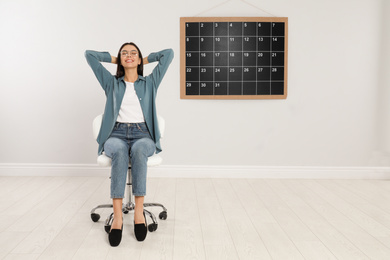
x=130 y=206
x=126 y=209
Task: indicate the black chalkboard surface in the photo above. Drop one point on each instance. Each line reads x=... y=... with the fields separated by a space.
x=233 y=57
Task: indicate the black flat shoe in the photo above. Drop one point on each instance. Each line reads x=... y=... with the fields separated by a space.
x=115 y=236
x=141 y=230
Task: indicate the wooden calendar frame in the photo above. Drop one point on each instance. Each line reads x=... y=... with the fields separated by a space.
x=281 y=87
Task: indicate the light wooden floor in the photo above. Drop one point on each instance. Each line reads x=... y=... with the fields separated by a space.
x=48 y=218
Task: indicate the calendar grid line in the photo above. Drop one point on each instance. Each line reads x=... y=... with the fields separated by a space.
x=270 y=71
x=245 y=81
x=257 y=47
x=254 y=36
x=214 y=86
x=242 y=59
x=234 y=51
x=199 y=66
x=228 y=85
x=199 y=59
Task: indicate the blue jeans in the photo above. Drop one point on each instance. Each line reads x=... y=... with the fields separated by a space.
x=129 y=142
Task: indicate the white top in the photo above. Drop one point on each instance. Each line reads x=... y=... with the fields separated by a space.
x=130 y=111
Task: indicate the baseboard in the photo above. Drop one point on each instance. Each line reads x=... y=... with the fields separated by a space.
x=273 y=172
x=193 y=171
x=52 y=170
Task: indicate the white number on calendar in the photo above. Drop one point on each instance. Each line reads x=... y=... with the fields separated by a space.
x=203 y=70
x=188 y=69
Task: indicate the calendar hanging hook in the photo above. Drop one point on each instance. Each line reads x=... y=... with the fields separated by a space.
x=245 y=2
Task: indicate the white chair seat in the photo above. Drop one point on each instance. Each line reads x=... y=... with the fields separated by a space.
x=105 y=161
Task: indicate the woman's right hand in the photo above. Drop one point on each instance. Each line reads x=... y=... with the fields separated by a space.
x=114 y=60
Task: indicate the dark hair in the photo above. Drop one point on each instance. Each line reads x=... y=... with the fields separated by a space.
x=120 y=71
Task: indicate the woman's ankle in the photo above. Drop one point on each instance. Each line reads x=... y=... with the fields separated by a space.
x=139 y=216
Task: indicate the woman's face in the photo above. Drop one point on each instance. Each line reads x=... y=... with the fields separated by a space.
x=130 y=57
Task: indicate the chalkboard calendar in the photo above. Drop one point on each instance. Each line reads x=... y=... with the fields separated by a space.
x=233 y=57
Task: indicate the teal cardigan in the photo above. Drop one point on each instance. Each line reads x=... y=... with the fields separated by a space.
x=145 y=87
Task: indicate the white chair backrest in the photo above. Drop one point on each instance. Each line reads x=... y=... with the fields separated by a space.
x=161 y=125
x=97 y=122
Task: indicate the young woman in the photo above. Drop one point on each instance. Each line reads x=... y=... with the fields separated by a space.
x=129 y=129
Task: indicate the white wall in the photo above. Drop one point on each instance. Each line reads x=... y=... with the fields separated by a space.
x=384 y=87
x=49 y=96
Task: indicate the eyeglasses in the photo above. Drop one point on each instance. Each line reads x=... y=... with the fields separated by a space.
x=129 y=54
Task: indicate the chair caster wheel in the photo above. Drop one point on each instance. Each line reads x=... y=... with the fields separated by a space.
x=152 y=227
x=163 y=215
x=126 y=212
x=107 y=228
x=95 y=217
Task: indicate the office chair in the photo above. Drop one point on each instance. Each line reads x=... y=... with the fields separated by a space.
x=105 y=161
